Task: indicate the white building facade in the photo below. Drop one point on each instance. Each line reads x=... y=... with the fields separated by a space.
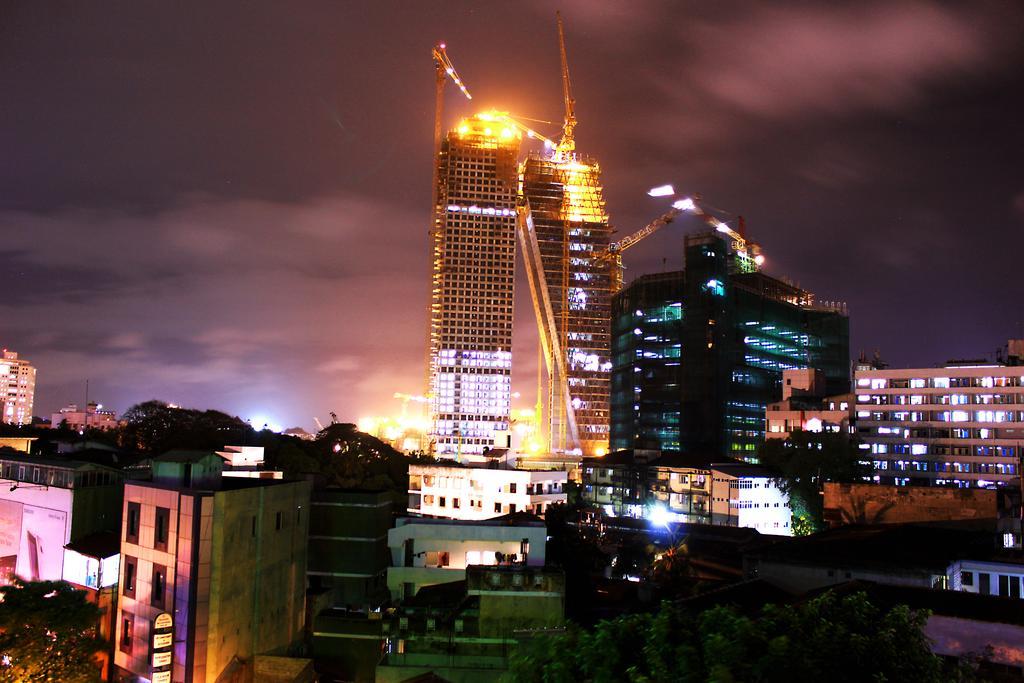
x=959 y=425
x=18 y=387
x=1005 y=579
x=476 y=493
x=425 y=552
x=748 y=496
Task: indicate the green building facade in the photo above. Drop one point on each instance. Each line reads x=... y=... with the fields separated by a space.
x=698 y=354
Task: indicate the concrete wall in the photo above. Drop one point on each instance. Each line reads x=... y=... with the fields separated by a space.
x=348 y=550
x=257 y=588
x=874 y=504
x=801 y=578
x=957 y=637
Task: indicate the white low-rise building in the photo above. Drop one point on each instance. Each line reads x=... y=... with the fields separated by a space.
x=425 y=551
x=748 y=496
x=1003 y=577
x=476 y=493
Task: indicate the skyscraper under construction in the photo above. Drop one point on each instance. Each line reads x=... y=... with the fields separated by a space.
x=473 y=241
x=562 y=246
x=565 y=197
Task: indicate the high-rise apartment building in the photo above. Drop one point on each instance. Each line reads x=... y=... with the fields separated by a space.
x=473 y=246
x=699 y=355
x=960 y=425
x=18 y=387
x=566 y=200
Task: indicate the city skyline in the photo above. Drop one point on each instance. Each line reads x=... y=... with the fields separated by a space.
x=236 y=217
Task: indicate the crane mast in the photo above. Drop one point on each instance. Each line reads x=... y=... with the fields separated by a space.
x=568 y=143
x=443 y=70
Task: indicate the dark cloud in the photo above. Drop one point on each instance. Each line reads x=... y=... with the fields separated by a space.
x=226 y=204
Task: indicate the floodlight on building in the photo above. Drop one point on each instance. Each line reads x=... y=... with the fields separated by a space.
x=661 y=191
x=659 y=515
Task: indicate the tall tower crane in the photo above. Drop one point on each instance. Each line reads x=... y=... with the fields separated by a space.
x=568 y=143
x=615 y=250
x=443 y=70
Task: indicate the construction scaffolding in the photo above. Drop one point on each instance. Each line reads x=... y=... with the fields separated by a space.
x=568 y=228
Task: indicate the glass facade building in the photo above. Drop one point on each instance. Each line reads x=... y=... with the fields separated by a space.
x=698 y=354
x=647 y=325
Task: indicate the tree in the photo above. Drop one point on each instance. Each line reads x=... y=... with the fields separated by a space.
x=828 y=638
x=805 y=461
x=47 y=633
x=157 y=427
x=576 y=550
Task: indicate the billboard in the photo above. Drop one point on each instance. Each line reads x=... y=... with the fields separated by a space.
x=10 y=539
x=41 y=552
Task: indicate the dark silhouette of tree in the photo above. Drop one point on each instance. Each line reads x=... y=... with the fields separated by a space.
x=156 y=427
x=805 y=461
x=576 y=550
x=828 y=638
x=47 y=633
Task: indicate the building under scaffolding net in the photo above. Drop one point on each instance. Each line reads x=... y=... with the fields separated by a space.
x=473 y=243
x=566 y=200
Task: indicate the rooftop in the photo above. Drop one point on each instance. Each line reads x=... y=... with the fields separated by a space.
x=948 y=603
x=185 y=456
x=659 y=459
x=743 y=469
x=888 y=547
x=512 y=519
x=99 y=545
x=11 y=455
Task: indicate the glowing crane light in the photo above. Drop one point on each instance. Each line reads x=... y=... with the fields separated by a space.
x=661 y=191
x=684 y=205
x=759 y=259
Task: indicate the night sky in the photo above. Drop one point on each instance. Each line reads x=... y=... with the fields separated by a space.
x=225 y=204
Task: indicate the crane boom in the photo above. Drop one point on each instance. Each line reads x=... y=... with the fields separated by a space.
x=614 y=251
x=444 y=64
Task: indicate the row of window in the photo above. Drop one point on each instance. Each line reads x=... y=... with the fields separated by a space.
x=1008 y=585
x=946 y=467
x=57 y=476
x=940 y=382
x=940 y=450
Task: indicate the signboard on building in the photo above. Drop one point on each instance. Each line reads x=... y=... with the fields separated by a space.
x=163 y=639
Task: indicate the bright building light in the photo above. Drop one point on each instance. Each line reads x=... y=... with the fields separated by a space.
x=658 y=515
x=661 y=191
x=261 y=422
x=759 y=259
